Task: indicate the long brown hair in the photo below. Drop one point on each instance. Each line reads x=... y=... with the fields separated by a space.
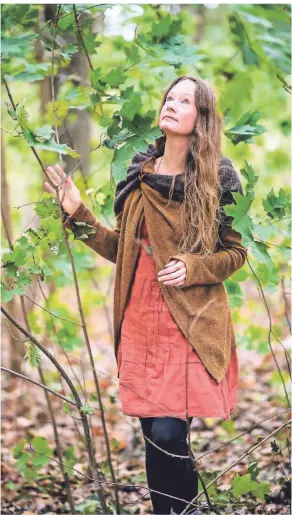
x=201 y=204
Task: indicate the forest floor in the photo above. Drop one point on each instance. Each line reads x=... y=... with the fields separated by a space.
x=25 y=415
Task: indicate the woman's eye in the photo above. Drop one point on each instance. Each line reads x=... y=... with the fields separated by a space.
x=168 y=98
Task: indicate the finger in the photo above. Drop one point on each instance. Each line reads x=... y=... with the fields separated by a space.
x=172 y=262
x=67 y=179
x=49 y=188
x=175 y=264
x=173 y=283
x=60 y=171
x=55 y=178
x=173 y=268
x=173 y=275
x=57 y=175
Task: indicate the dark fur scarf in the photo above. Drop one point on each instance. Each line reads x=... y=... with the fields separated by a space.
x=229 y=182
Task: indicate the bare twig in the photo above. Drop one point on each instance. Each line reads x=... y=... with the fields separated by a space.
x=50 y=312
x=270 y=331
x=247 y=453
x=81 y=38
x=77 y=400
x=40 y=385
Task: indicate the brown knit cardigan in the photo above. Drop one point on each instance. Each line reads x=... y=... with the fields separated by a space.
x=200 y=307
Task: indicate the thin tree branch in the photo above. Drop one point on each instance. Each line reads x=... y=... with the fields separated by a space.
x=39 y=384
x=81 y=38
x=247 y=453
x=91 y=455
x=50 y=312
x=270 y=331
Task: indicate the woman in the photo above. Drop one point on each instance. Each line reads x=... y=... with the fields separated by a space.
x=173 y=247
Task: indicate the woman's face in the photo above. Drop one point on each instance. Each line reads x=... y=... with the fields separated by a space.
x=180 y=105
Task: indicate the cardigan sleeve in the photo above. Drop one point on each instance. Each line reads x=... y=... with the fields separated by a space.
x=104 y=241
x=218 y=266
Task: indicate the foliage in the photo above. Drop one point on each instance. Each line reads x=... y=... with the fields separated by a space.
x=31 y=465
x=244 y=52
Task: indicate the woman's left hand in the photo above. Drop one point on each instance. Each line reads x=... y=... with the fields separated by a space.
x=174 y=273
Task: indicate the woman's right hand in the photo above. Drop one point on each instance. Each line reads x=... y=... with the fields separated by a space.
x=68 y=190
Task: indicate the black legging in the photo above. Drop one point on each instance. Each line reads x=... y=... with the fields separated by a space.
x=174 y=476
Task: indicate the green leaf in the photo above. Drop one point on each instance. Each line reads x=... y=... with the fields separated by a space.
x=10 y=485
x=229 y=427
x=6 y=295
x=44 y=133
x=37 y=138
x=172 y=50
x=254 y=470
x=29 y=473
x=41 y=445
x=243 y=41
x=119 y=138
x=11 y=14
x=88 y=507
x=70 y=459
x=177 y=53
x=115 y=77
x=33 y=354
x=131 y=106
x=115 y=443
x=16 y=257
x=66 y=23
x=97 y=81
x=69 y=50
x=249 y=174
x=12 y=46
x=19 y=448
x=82 y=230
x=47 y=208
x=140 y=478
x=277 y=206
x=52 y=146
x=87 y=410
x=120 y=161
x=31 y=72
x=246 y=128
x=72 y=94
x=241 y=220
x=244 y=484
x=46 y=270
x=90 y=41
x=66 y=408
x=260 y=251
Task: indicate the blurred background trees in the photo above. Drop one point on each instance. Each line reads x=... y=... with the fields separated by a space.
x=81 y=85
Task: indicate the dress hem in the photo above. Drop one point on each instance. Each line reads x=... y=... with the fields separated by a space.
x=158 y=415
x=178 y=416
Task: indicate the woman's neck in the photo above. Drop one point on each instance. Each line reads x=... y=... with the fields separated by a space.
x=175 y=154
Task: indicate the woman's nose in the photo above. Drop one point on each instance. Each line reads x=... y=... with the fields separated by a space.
x=170 y=108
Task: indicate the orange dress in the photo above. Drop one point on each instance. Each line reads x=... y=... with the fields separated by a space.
x=160 y=373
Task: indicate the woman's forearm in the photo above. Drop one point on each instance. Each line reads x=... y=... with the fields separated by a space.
x=104 y=241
